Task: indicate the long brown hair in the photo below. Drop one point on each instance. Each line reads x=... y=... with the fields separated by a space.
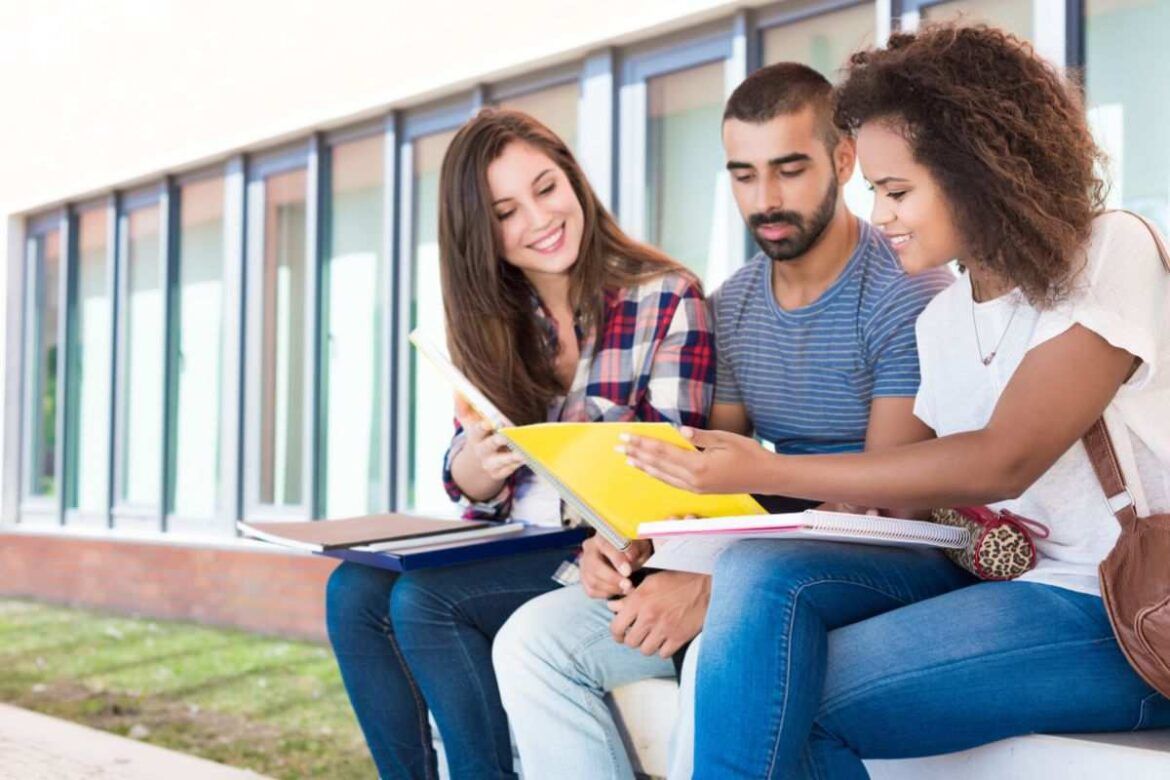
x=1005 y=136
x=492 y=333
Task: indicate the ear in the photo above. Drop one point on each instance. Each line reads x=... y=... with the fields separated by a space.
x=845 y=157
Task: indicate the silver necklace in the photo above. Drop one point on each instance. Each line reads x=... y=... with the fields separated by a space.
x=986 y=359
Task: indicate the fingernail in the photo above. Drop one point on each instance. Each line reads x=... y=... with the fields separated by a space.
x=624 y=437
x=687 y=432
x=631 y=462
x=620 y=450
x=625 y=569
x=626 y=585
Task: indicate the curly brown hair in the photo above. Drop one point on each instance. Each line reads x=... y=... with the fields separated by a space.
x=1005 y=136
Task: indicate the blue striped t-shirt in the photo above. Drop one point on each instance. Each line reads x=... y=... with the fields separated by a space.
x=807 y=376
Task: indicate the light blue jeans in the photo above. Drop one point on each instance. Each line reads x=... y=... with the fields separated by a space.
x=818 y=655
x=555 y=660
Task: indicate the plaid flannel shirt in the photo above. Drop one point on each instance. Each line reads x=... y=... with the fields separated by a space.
x=652 y=359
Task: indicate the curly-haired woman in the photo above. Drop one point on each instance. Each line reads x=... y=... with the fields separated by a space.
x=817 y=655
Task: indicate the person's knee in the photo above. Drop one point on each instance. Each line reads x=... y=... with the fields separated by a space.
x=528 y=637
x=753 y=564
x=356 y=594
x=416 y=600
x=537 y=640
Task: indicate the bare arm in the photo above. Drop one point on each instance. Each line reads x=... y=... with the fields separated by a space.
x=1055 y=395
x=892 y=424
x=730 y=417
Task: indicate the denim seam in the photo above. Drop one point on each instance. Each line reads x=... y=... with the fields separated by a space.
x=829 y=707
x=793 y=599
x=420 y=702
x=1143 y=711
x=587 y=701
x=458 y=605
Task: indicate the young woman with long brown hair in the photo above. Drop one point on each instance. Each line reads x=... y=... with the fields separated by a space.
x=817 y=655
x=555 y=314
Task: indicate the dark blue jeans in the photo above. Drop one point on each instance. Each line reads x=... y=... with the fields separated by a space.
x=406 y=642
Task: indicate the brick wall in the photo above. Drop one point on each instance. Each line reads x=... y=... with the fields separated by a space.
x=273 y=593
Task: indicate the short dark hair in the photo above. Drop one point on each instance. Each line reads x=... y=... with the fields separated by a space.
x=784 y=88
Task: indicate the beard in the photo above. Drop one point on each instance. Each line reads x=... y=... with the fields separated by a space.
x=807 y=230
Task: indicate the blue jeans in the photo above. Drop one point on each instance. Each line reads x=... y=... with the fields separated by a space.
x=406 y=642
x=817 y=655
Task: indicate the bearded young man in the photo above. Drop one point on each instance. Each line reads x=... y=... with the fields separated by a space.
x=816 y=354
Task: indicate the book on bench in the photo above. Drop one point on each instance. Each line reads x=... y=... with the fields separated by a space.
x=374 y=533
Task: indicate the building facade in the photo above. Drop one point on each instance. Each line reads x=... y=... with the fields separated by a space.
x=222 y=228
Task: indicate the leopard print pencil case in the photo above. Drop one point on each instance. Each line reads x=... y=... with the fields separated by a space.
x=1001 y=546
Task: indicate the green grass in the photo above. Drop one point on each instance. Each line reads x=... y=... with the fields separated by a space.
x=274 y=706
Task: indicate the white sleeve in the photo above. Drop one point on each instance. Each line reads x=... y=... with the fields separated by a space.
x=1123 y=295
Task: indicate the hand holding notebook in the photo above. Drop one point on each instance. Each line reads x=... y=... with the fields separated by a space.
x=580 y=461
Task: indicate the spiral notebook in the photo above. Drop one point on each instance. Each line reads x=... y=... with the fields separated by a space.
x=693 y=545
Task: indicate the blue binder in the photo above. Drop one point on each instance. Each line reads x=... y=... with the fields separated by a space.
x=530 y=539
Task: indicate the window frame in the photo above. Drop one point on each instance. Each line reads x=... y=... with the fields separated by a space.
x=111 y=205
x=385 y=126
x=413 y=125
x=728 y=42
x=37 y=510
x=304 y=155
x=223 y=520
x=126 y=515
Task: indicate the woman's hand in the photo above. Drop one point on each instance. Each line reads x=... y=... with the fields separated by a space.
x=725 y=463
x=485 y=461
x=606 y=570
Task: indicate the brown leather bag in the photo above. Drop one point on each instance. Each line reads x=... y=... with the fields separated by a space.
x=1135 y=576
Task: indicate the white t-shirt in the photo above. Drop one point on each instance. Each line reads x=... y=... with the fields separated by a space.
x=1122 y=294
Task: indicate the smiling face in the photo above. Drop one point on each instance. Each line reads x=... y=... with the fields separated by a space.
x=909 y=206
x=785 y=180
x=539 y=215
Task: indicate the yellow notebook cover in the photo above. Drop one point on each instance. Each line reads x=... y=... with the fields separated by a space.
x=580 y=459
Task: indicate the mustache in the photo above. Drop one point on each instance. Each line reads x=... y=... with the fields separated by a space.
x=776 y=217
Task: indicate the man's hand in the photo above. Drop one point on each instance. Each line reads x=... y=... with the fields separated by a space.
x=606 y=570
x=663 y=613
x=724 y=463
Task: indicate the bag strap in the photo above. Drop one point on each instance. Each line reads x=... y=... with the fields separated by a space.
x=1108 y=471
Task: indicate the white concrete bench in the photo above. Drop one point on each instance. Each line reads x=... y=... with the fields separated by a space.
x=646 y=710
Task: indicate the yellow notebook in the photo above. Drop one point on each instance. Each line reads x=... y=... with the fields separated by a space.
x=580 y=461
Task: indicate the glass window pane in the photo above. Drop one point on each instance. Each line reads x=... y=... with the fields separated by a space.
x=684 y=164
x=195 y=412
x=1015 y=16
x=431 y=399
x=42 y=477
x=1129 y=113
x=282 y=369
x=354 y=318
x=555 y=107
x=89 y=401
x=142 y=378
x=824 y=43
